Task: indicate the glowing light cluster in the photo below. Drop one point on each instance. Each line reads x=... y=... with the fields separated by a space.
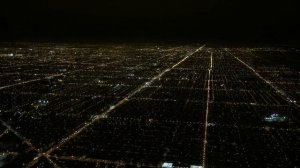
x=275 y=118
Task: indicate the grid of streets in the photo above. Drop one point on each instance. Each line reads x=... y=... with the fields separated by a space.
x=70 y=105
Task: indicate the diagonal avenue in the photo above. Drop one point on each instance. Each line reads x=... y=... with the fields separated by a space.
x=105 y=114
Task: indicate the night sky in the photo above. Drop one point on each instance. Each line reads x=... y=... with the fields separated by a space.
x=261 y=20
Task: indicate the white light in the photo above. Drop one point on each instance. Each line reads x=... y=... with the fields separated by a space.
x=195 y=166
x=167 y=165
x=112 y=107
x=275 y=118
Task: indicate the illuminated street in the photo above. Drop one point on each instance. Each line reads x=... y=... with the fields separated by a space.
x=148 y=105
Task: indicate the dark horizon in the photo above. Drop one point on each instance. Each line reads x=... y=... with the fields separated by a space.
x=190 y=20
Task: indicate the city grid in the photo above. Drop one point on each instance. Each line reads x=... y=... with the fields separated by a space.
x=149 y=105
